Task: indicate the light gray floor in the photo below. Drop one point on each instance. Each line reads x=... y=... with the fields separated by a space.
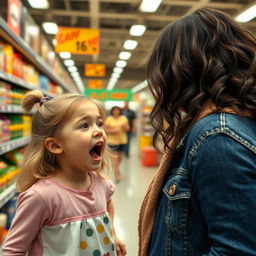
x=128 y=197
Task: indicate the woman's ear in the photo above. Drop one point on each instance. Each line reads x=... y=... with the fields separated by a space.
x=53 y=146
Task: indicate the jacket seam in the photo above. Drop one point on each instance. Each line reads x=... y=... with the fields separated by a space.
x=222 y=130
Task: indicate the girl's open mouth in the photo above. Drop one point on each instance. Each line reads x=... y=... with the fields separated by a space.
x=96 y=151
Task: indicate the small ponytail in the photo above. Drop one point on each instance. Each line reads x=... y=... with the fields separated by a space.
x=30 y=99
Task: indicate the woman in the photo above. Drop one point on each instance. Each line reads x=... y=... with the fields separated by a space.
x=202 y=200
x=116 y=126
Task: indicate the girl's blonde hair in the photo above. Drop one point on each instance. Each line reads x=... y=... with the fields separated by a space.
x=49 y=117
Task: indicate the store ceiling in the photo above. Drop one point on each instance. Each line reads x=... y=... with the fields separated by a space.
x=114 y=19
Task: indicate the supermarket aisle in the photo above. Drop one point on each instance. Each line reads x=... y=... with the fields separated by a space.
x=128 y=197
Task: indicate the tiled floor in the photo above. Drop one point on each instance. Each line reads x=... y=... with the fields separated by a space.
x=128 y=197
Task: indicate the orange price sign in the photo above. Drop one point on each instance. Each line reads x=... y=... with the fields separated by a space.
x=77 y=40
x=95 y=70
x=95 y=84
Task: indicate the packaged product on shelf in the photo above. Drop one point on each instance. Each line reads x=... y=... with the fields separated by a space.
x=26 y=120
x=44 y=82
x=30 y=31
x=16 y=96
x=17 y=65
x=14 y=157
x=31 y=75
x=1 y=55
x=8 y=174
x=8 y=58
x=3 y=222
x=9 y=209
x=5 y=128
x=16 y=127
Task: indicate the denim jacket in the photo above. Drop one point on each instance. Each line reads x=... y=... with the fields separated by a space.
x=208 y=203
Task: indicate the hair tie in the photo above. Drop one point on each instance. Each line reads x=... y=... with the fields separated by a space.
x=43 y=100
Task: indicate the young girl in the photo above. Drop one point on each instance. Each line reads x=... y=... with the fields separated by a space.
x=65 y=208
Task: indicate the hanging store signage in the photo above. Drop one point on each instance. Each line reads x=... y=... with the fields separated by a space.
x=98 y=70
x=14 y=16
x=95 y=84
x=77 y=40
x=116 y=94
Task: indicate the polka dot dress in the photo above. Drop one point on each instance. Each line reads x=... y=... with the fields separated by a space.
x=97 y=237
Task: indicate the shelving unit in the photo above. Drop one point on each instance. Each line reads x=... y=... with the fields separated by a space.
x=33 y=58
x=7 y=194
x=13 y=144
x=30 y=55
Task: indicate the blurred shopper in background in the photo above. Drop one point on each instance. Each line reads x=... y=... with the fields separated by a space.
x=130 y=115
x=116 y=126
x=201 y=202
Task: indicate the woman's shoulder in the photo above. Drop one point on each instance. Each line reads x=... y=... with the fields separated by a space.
x=236 y=127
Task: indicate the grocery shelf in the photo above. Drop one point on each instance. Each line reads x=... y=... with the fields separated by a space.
x=11 y=109
x=25 y=50
x=7 y=194
x=13 y=144
x=15 y=80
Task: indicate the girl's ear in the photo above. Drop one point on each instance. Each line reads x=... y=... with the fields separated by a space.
x=53 y=146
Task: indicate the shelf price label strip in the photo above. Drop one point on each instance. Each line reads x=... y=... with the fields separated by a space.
x=13 y=144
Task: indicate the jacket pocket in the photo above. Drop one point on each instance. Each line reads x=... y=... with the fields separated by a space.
x=178 y=193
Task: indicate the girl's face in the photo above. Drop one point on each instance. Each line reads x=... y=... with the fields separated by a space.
x=82 y=139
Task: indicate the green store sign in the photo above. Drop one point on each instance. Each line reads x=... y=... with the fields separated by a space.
x=116 y=94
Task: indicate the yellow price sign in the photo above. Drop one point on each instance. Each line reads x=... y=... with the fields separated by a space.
x=95 y=70
x=77 y=40
x=95 y=84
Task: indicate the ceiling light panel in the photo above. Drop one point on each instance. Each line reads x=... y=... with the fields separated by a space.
x=121 y=63
x=137 y=30
x=247 y=15
x=149 y=5
x=65 y=55
x=39 y=4
x=125 y=55
x=130 y=44
x=50 y=28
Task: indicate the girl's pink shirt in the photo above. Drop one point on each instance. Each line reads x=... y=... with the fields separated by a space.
x=49 y=203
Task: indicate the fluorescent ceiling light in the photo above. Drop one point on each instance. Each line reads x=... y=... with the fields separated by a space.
x=65 y=55
x=72 y=69
x=39 y=4
x=115 y=75
x=111 y=84
x=140 y=86
x=125 y=55
x=130 y=44
x=121 y=63
x=75 y=74
x=50 y=28
x=118 y=70
x=247 y=15
x=69 y=63
x=149 y=5
x=137 y=30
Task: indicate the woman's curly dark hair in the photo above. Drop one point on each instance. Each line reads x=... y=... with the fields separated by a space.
x=202 y=57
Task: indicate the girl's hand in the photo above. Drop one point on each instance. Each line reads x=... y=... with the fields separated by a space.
x=120 y=247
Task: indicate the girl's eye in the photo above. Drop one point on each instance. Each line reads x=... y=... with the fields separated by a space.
x=100 y=124
x=85 y=125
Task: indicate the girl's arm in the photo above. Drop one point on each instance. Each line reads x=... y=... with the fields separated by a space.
x=30 y=215
x=120 y=246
